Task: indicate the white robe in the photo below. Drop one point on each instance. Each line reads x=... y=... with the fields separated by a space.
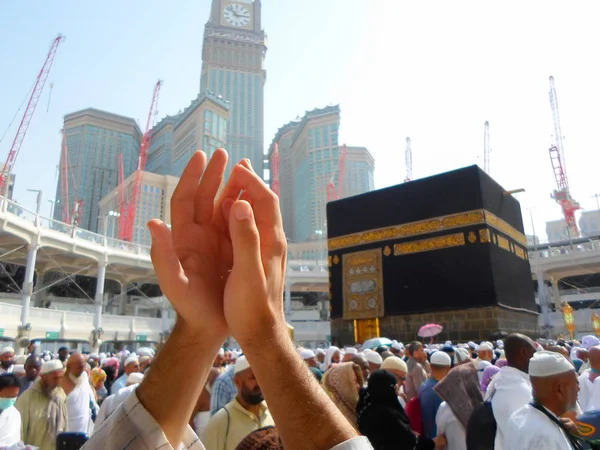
x=512 y=390
x=530 y=429
x=585 y=390
x=10 y=427
x=593 y=403
x=78 y=407
x=448 y=424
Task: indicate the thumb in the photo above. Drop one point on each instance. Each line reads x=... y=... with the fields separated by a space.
x=245 y=239
x=164 y=259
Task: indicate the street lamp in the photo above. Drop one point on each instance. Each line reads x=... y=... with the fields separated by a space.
x=38 y=200
x=51 y=207
x=106 y=219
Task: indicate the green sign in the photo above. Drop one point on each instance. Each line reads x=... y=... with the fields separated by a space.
x=52 y=335
x=141 y=337
x=1 y=332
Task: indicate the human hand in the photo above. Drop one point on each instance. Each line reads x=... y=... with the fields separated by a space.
x=253 y=298
x=192 y=260
x=440 y=441
x=569 y=423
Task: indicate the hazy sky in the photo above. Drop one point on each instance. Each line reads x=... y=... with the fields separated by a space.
x=434 y=71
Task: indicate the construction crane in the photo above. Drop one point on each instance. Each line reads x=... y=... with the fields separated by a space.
x=332 y=194
x=126 y=233
x=561 y=194
x=275 y=170
x=64 y=179
x=408 y=160
x=36 y=93
x=121 y=181
x=487 y=151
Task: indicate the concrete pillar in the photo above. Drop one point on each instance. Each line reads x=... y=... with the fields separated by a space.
x=28 y=284
x=99 y=295
x=39 y=285
x=543 y=298
x=556 y=294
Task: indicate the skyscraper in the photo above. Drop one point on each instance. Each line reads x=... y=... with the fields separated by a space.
x=233 y=57
x=309 y=154
x=94 y=141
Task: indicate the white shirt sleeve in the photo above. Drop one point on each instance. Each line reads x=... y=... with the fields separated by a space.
x=131 y=427
x=441 y=418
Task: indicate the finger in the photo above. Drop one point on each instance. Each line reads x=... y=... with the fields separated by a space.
x=219 y=221
x=226 y=208
x=245 y=240
x=182 y=202
x=212 y=178
x=171 y=277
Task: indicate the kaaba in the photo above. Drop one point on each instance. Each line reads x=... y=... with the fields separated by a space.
x=448 y=249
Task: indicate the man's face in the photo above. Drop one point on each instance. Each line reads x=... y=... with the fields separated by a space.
x=373 y=367
x=52 y=380
x=76 y=366
x=9 y=392
x=219 y=361
x=7 y=360
x=335 y=359
x=62 y=355
x=569 y=390
x=420 y=355
x=485 y=355
x=312 y=362
x=132 y=367
x=248 y=387
x=348 y=357
x=400 y=376
x=321 y=358
x=32 y=370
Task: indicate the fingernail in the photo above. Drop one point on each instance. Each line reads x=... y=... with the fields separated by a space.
x=243 y=211
x=249 y=164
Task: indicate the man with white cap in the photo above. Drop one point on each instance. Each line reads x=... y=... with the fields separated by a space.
x=220 y=360
x=246 y=413
x=320 y=354
x=510 y=388
x=374 y=359
x=132 y=365
x=485 y=352
x=308 y=356
x=350 y=352
x=441 y=364
x=398 y=367
x=43 y=408
x=538 y=425
x=397 y=349
x=7 y=359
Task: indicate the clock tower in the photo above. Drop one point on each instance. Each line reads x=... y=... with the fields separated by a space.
x=233 y=58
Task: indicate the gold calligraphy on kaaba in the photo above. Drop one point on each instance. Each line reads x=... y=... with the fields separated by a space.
x=425 y=245
x=442 y=223
x=362 y=277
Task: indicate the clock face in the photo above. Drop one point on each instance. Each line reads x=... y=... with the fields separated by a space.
x=236 y=15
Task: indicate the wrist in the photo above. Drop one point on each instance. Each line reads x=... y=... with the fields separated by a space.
x=273 y=331
x=189 y=335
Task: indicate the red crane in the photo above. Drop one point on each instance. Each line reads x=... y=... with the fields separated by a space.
x=28 y=115
x=131 y=211
x=121 y=181
x=561 y=194
x=275 y=170
x=332 y=194
x=64 y=179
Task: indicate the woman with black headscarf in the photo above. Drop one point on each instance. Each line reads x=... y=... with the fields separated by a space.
x=382 y=419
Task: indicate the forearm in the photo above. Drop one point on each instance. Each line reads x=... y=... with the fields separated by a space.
x=297 y=404
x=185 y=352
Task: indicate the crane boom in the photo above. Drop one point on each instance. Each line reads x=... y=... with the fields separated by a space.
x=121 y=181
x=64 y=179
x=275 y=170
x=487 y=151
x=408 y=161
x=28 y=114
x=127 y=233
x=332 y=192
x=561 y=194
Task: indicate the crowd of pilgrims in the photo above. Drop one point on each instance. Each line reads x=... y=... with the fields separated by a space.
x=418 y=396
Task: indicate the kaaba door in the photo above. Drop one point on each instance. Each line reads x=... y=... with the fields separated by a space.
x=365 y=329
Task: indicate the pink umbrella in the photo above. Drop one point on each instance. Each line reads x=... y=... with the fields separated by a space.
x=430 y=330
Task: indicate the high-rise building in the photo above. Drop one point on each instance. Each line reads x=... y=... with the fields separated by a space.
x=233 y=57
x=95 y=139
x=309 y=154
x=556 y=230
x=200 y=126
x=589 y=223
x=154 y=203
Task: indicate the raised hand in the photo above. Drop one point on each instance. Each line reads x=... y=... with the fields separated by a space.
x=253 y=297
x=192 y=260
